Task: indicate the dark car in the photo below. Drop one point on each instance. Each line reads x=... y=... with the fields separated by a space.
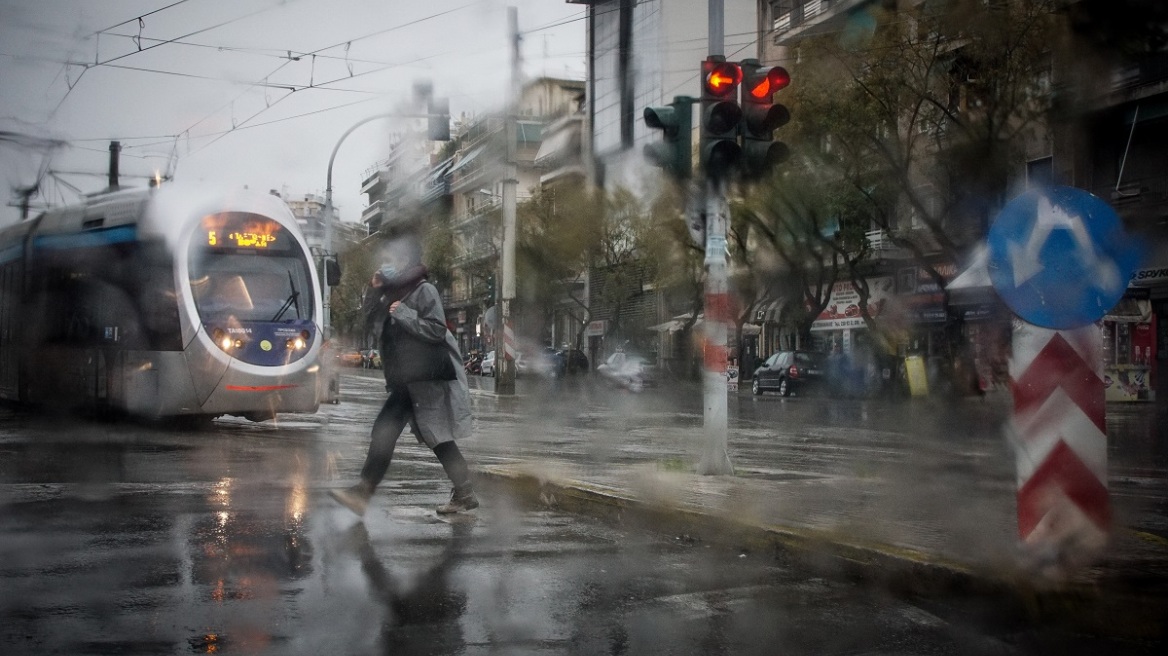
x=787 y=371
x=570 y=362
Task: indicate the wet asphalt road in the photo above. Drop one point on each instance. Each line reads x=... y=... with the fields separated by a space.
x=128 y=539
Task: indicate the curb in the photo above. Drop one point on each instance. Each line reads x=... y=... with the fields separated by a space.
x=1128 y=612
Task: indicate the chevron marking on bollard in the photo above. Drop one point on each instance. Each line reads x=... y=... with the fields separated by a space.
x=508 y=341
x=1059 y=422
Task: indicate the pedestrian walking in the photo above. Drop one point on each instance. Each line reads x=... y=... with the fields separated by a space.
x=424 y=378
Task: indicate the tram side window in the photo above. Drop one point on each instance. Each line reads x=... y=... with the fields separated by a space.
x=157 y=300
x=119 y=296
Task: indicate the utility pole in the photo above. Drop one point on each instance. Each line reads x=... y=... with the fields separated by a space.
x=505 y=383
x=715 y=458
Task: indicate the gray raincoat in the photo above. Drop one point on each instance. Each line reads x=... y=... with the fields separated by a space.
x=441 y=407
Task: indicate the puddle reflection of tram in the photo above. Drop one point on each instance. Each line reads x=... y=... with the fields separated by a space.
x=159 y=303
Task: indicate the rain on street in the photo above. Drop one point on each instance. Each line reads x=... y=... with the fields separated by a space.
x=128 y=538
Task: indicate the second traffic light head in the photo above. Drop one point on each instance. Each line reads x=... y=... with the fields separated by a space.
x=675 y=121
x=761 y=117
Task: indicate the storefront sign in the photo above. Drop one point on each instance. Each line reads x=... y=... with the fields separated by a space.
x=596 y=328
x=1149 y=277
x=843 y=306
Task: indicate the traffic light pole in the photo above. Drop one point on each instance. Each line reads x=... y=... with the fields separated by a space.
x=715 y=457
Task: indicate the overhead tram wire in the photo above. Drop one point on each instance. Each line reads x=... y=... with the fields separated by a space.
x=165 y=139
x=137 y=18
x=87 y=67
x=319 y=50
x=272 y=53
x=321 y=85
x=582 y=16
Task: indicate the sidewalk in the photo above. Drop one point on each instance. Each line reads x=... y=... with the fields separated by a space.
x=946 y=532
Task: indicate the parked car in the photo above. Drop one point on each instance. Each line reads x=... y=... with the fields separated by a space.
x=571 y=362
x=487 y=367
x=349 y=357
x=630 y=371
x=788 y=371
x=545 y=362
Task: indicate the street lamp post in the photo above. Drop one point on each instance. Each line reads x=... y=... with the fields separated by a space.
x=328 y=215
x=327 y=248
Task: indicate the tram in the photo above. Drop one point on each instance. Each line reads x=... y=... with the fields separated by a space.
x=162 y=302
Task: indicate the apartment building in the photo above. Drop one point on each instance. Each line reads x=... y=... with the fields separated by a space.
x=460 y=188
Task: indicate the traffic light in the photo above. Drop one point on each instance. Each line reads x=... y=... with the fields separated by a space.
x=438 y=119
x=719 y=149
x=761 y=116
x=673 y=153
x=491 y=288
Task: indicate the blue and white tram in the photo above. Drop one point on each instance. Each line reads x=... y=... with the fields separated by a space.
x=161 y=302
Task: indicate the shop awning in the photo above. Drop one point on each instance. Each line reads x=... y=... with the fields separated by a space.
x=675 y=324
x=468 y=158
x=1130 y=310
x=976 y=275
x=552 y=147
x=771 y=311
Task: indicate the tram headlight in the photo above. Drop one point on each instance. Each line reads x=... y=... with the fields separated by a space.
x=300 y=342
x=223 y=340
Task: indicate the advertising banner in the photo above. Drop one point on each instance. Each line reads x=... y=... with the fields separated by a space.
x=843 y=307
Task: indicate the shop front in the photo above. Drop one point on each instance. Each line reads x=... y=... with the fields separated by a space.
x=857 y=365
x=838 y=328
x=1134 y=338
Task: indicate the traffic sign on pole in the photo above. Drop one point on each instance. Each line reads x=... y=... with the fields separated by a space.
x=1059 y=257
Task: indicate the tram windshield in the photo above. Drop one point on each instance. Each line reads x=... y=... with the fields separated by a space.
x=248 y=268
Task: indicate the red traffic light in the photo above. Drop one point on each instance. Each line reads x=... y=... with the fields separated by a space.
x=722 y=77
x=766 y=85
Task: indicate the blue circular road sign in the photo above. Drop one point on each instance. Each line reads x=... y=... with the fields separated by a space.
x=1059 y=257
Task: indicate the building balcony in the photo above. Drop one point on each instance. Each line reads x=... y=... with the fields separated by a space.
x=879 y=240
x=375 y=213
x=475 y=254
x=374 y=183
x=800 y=18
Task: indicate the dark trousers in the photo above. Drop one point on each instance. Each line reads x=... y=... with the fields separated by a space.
x=388 y=426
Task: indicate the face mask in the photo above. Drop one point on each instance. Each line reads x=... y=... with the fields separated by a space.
x=387 y=272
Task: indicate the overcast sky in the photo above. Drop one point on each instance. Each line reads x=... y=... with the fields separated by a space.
x=229 y=93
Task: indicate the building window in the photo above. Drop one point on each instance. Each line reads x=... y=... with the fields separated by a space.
x=781 y=14
x=1040 y=172
x=906 y=280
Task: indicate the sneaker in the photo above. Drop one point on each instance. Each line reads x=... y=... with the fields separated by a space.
x=355 y=498
x=460 y=499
